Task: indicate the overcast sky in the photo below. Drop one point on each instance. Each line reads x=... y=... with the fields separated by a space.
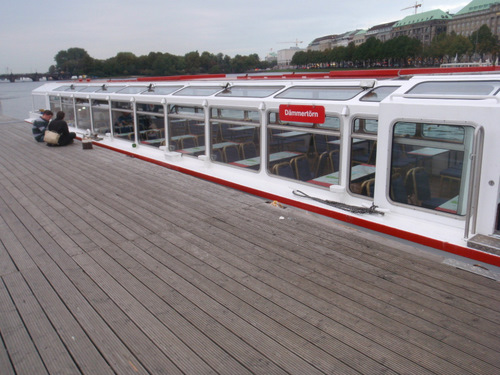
x=33 y=31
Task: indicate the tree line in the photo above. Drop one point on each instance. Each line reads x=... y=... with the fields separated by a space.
x=404 y=51
x=399 y=51
x=76 y=62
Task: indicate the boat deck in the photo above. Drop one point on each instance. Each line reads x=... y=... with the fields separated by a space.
x=112 y=265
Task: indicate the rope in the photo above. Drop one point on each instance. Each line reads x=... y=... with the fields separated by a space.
x=342 y=206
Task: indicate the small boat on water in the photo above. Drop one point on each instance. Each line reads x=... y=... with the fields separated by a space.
x=409 y=153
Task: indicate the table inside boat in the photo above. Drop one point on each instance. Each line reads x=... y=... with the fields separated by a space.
x=241 y=128
x=199 y=149
x=354 y=141
x=153 y=142
x=292 y=137
x=427 y=152
x=358 y=173
x=273 y=158
x=289 y=134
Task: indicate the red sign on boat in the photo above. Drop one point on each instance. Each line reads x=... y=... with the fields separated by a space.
x=302 y=113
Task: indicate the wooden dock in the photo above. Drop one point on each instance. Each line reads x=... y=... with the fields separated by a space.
x=112 y=265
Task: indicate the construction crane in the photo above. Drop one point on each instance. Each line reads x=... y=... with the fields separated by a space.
x=297 y=42
x=416 y=6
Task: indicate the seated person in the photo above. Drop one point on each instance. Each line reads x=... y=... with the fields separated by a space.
x=124 y=123
x=60 y=126
x=40 y=125
x=125 y=119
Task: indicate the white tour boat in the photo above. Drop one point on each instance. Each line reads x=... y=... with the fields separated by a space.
x=413 y=154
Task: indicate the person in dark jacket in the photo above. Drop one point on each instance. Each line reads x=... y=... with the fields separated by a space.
x=40 y=125
x=60 y=126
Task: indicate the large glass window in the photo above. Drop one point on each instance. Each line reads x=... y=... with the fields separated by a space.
x=304 y=151
x=378 y=94
x=109 y=89
x=186 y=129
x=55 y=104
x=161 y=90
x=235 y=137
x=132 y=90
x=430 y=166
x=151 y=123
x=478 y=88
x=123 y=120
x=100 y=116
x=198 y=90
x=39 y=103
x=320 y=93
x=363 y=156
x=83 y=114
x=69 y=110
x=249 y=91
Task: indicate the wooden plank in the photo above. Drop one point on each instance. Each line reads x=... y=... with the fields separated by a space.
x=175 y=348
x=6 y=263
x=349 y=295
x=5 y=363
x=24 y=357
x=55 y=357
x=110 y=345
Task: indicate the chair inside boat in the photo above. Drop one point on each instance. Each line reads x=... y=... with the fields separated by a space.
x=283 y=169
x=419 y=188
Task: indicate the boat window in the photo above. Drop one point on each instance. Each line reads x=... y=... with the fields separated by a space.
x=62 y=88
x=122 y=117
x=100 y=117
x=231 y=115
x=186 y=129
x=363 y=156
x=109 y=89
x=121 y=105
x=479 y=88
x=90 y=89
x=320 y=93
x=378 y=94
x=39 y=102
x=444 y=132
x=151 y=124
x=69 y=110
x=198 y=91
x=235 y=137
x=83 y=114
x=161 y=90
x=331 y=122
x=250 y=91
x=55 y=103
x=132 y=90
x=430 y=166
x=149 y=108
x=300 y=152
x=186 y=110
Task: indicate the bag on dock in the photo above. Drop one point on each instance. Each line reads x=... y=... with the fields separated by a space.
x=51 y=137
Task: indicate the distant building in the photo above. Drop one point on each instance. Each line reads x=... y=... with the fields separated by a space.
x=331 y=41
x=382 y=32
x=343 y=40
x=271 y=56
x=422 y=26
x=323 y=43
x=285 y=56
x=359 y=38
x=474 y=15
